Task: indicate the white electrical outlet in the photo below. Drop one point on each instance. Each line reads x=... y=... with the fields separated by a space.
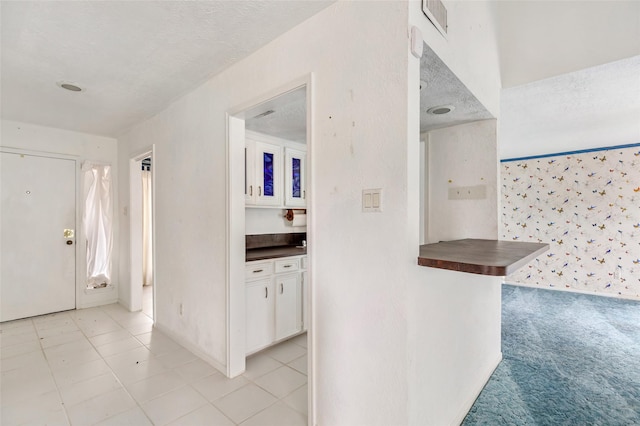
x=617 y=274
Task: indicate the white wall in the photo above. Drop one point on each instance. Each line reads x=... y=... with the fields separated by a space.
x=359 y=293
x=470 y=47
x=83 y=146
x=269 y=221
x=365 y=278
x=454 y=343
x=459 y=355
x=453 y=318
x=461 y=156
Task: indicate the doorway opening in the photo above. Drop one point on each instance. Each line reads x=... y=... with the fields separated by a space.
x=142 y=243
x=277 y=127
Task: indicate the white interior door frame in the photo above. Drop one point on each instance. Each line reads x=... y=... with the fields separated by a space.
x=135 y=227
x=80 y=255
x=235 y=220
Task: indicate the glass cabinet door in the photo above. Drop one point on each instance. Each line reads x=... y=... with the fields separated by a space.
x=295 y=194
x=296 y=168
x=268 y=174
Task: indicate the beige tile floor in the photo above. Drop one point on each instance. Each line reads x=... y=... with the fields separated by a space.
x=108 y=366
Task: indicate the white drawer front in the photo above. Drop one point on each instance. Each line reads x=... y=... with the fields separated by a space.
x=258 y=270
x=287 y=265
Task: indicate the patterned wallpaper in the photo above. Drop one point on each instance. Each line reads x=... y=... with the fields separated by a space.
x=587 y=207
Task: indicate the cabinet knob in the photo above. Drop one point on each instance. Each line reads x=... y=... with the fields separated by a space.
x=287 y=266
x=266 y=292
x=251 y=190
x=259 y=191
x=281 y=288
x=255 y=271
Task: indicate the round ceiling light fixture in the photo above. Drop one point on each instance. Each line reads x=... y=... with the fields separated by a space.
x=441 y=110
x=67 y=85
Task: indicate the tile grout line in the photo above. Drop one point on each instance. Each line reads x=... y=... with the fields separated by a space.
x=252 y=381
x=80 y=326
x=187 y=383
x=106 y=363
x=113 y=373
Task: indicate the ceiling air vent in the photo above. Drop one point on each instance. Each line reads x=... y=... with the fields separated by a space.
x=437 y=14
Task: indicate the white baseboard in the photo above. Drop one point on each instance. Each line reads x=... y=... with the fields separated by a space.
x=93 y=303
x=193 y=348
x=469 y=403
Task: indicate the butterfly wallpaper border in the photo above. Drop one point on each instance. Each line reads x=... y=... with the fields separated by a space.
x=586 y=205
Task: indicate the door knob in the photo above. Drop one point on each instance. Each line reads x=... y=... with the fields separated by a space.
x=69 y=242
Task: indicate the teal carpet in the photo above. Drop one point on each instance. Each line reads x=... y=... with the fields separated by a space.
x=569 y=359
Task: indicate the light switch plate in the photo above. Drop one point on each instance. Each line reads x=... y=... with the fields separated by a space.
x=372 y=200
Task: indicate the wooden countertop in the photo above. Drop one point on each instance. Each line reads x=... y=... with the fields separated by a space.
x=485 y=257
x=273 y=252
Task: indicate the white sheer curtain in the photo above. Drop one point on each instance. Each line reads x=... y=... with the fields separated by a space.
x=147 y=235
x=97 y=221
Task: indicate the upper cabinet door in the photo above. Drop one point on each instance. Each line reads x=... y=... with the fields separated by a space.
x=250 y=189
x=295 y=178
x=268 y=174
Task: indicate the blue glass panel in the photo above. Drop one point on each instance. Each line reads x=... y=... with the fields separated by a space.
x=295 y=177
x=267 y=167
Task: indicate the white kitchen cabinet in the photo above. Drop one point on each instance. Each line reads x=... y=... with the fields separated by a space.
x=260 y=311
x=295 y=190
x=274 y=301
x=263 y=173
x=288 y=316
x=287 y=264
x=275 y=172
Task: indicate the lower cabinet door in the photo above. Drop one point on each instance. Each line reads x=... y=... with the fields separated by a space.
x=259 y=314
x=288 y=305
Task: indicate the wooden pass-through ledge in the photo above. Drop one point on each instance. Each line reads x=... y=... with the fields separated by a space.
x=485 y=257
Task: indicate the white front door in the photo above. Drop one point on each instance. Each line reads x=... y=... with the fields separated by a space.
x=38 y=262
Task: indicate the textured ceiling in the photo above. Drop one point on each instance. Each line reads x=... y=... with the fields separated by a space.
x=595 y=107
x=439 y=86
x=135 y=57
x=288 y=119
x=132 y=57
